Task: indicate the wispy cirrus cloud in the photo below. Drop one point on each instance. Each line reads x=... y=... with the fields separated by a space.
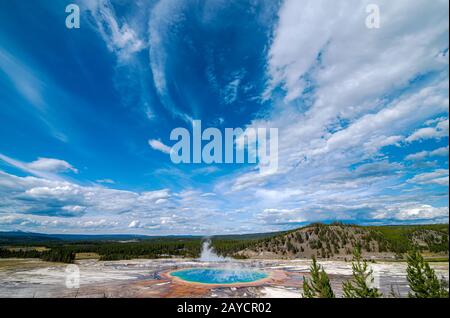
x=125 y=36
x=35 y=88
x=164 y=16
x=158 y=145
x=119 y=36
x=42 y=167
x=24 y=79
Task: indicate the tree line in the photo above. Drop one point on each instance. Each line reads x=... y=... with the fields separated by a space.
x=151 y=249
x=54 y=255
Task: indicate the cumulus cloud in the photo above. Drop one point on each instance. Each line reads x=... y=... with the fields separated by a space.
x=414 y=212
x=422 y=212
x=33 y=195
x=38 y=203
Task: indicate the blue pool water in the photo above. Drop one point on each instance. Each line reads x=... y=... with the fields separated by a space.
x=218 y=275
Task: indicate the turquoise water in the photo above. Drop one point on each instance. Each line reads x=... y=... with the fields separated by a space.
x=218 y=275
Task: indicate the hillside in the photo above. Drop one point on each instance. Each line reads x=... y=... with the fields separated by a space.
x=339 y=240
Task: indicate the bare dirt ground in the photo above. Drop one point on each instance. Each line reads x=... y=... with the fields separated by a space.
x=146 y=278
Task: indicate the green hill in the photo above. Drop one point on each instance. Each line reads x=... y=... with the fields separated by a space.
x=339 y=240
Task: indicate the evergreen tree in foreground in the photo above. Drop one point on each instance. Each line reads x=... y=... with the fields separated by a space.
x=359 y=286
x=422 y=279
x=318 y=286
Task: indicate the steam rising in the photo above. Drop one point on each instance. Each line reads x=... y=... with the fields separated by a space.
x=230 y=271
x=208 y=254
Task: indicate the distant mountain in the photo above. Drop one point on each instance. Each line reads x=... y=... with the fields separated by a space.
x=339 y=240
x=29 y=237
x=252 y=236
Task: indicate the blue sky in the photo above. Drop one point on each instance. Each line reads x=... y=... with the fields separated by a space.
x=86 y=114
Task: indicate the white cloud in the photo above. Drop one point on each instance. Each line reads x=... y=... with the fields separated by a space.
x=51 y=165
x=414 y=212
x=164 y=17
x=74 y=208
x=36 y=88
x=441 y=130
x=439 y=176
x=42 y=167
x=283 y=216
x=120 y=37
x=359 y=99
x=158 y=145
x=422 y=212
x=328 y=41
x=37 y=202
x=134 y=224
x=24 y=79
x=94 y=223
x=354 y=106
x=109 y=181
x=58 y=197
x=417 y=156
x=27 y=222
x=443 y=151
x=392 y=119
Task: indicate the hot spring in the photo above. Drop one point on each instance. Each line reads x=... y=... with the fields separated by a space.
x=219 y=275
x=228 y=272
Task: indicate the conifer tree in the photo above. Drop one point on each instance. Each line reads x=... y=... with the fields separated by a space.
x=422 y=279
x=359 y=286
x=319 y=284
